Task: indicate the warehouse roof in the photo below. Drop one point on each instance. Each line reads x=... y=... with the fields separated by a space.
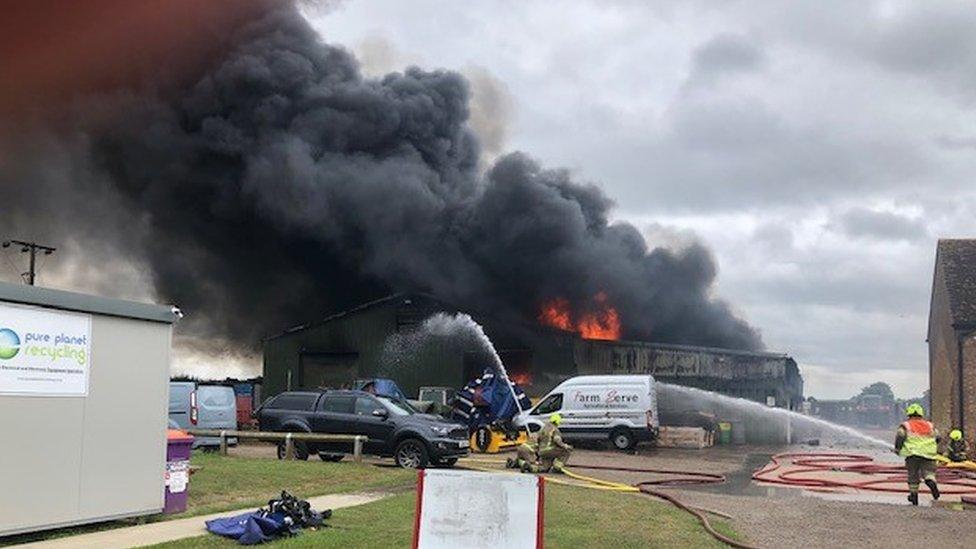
x=956 y=258
x=405 y=296
x=84 y=303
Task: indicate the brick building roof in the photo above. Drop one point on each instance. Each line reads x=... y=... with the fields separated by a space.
x=957 y=259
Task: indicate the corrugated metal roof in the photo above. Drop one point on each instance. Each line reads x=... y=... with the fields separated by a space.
x=354 y=310
x=84 y=303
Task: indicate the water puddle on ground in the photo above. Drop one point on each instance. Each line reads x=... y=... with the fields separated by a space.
x=740 y=483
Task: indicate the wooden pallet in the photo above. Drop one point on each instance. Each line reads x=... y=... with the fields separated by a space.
x=683 y=437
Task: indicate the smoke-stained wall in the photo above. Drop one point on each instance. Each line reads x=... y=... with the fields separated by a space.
x=268 y=183
x=750 y=375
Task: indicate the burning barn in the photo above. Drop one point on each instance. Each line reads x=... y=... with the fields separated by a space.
x=381 y=339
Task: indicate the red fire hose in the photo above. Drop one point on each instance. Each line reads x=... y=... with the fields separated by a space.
x=957 y=481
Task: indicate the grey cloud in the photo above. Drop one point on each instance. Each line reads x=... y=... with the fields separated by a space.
x=727 y=154
x=956 y=143
x=725 y=54
x=775 y=237
x=934 y=39
x=929 y=37
x=881 y=225
x=870 y=289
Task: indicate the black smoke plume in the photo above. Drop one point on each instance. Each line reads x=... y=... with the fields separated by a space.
x=272 y=184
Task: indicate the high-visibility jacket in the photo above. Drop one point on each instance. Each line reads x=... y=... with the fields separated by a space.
x=920 y=438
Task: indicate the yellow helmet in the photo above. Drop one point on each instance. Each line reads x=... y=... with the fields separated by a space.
x=914 y=409
x=955 y=434
x=556 y=419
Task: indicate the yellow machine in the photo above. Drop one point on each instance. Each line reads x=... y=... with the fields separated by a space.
x=491 y=440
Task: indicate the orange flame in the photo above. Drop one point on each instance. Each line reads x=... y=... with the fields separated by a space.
x=604 y=323
x=556 y=314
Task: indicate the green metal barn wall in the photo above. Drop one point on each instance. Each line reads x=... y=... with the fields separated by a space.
x=553 y=356
x=364 y=333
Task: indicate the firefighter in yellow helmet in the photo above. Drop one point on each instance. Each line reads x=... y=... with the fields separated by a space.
x=958 y=449
x=553 y=452
x=917 y=441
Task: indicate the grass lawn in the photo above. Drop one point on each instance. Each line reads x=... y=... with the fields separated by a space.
x=575 y=517
x=226 y=483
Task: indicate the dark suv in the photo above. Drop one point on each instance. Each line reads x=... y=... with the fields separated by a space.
x=393 y=428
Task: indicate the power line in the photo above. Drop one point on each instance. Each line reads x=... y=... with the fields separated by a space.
x=32 y=248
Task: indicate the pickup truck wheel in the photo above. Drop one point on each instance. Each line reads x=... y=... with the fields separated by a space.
x=411 y=454
x=622 y=438
x=301 y=450
x=331 y=457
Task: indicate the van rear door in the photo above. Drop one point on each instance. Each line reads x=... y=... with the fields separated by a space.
x=179 y=403
x=217 y=409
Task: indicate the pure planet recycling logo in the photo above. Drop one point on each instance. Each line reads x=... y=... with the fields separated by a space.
x=9 y=344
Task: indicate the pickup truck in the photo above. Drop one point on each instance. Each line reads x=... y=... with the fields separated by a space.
x=394 y=429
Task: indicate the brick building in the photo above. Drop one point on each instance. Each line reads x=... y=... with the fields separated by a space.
x=952 y=337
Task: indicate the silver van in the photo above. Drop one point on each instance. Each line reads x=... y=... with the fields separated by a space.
x=193 y=406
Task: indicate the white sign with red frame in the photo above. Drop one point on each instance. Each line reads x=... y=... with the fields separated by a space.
x=473 y=510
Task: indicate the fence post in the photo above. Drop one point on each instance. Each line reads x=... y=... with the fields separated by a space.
x=357 y=449
x=289 y=447
x=223 y=443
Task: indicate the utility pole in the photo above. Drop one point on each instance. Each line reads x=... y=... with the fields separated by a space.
x=32 y=248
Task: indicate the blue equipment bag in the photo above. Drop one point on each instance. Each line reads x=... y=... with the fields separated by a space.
x=250 y=528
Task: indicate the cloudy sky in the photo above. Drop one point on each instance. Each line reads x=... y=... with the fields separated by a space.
x=818 y=148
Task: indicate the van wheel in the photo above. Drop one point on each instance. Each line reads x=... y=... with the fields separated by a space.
x=622 y=438
x=411 y=454
x=301 y=450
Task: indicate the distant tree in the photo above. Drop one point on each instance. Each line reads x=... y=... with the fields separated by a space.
x=879 y=388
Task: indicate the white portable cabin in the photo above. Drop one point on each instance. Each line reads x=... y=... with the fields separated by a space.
x=83 y=407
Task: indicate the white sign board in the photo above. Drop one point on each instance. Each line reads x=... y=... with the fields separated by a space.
x=44 y=352
x=478 y=510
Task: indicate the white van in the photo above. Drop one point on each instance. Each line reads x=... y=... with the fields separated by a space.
x=621 y=409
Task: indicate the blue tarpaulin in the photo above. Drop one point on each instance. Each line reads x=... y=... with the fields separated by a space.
x=380 y=386
x=487 y=400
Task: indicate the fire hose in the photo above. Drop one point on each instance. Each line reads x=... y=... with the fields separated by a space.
x=680 y=478
x=958 y=478
x=683 y=478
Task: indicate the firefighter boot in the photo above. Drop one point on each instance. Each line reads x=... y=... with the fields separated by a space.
x=511 y=463
x=913 y=498
x=933 y=487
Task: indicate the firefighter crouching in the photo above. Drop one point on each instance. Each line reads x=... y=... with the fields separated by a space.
x=547 y=453
x=958 y=448
x=553 y=452
x=527 y=454
x=917 y=442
